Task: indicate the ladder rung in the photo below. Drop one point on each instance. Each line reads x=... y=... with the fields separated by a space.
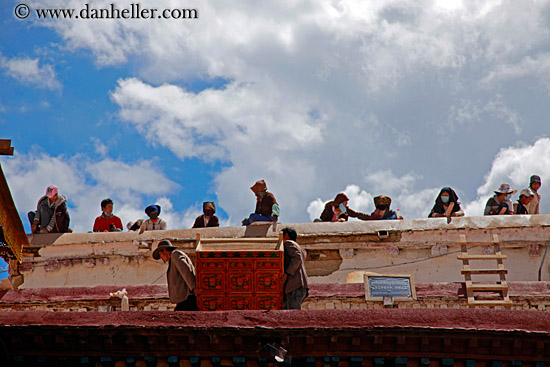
x=490 y=303
x=485 y=271
x=479 y=243
x=481 y=257
x=487 y=287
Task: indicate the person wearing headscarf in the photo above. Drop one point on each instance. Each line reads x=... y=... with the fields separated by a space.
x=382 y=211
x=208 y=219
x=501 y=203
x=337 y=210
x=154 y=223
x=444 y=199
x=267 y=208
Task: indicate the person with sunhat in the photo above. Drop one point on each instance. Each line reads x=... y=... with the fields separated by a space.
x=501 y=202
x=337 y=210
x=51 y=215
x=534 y=185
x=208 y=219
x=267 y=208
x=181 y=276
x=525 y=197
x=154 y=223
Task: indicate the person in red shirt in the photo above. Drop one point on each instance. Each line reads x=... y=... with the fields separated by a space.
x=107 y=222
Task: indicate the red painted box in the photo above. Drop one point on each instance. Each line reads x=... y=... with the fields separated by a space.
x=239 y=273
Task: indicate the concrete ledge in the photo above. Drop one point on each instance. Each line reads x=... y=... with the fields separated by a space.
x=303 y=229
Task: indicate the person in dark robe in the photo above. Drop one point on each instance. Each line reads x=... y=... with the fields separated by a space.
x=207 y=219
x=444 y=199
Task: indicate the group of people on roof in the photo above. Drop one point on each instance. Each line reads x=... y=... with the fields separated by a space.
x=52 y=216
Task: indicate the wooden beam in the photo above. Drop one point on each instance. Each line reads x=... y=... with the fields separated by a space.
x=12 y=226
x=5 y=147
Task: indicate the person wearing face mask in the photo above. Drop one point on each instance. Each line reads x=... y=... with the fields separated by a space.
x=337 y=210
x=154 y=223
x=443 y=201
x=501 y=202
x=208 y=219
x=382 y=211
x=267 y=208
x=107 y=221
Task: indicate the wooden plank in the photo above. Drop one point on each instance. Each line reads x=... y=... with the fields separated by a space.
x=487 y=287
x=482 y=257
x=478 y=244
x=241 y=239
x=490 y=303
x=484 y=271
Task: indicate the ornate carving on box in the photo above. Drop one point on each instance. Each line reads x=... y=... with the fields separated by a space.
x=241 y=303
x=267 y=282
x=212 y=281
x=245 y=264
x=239 y=282
x=269 y=302
x=211 y=303
x=243 y=275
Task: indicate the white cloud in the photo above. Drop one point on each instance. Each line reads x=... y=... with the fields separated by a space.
x=514 y=165
x=86 y=183
x=320 y=94
x=493 y=113
x=29 y=71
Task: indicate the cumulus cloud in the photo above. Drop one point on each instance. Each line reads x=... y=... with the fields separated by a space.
x=29 y=71
x=86 y=183
x=321 y=94
x=514 y=165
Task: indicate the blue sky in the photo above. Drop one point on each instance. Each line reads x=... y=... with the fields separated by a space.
x=316 y=97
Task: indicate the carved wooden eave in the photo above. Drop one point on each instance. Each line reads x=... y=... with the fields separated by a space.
x=14 y=233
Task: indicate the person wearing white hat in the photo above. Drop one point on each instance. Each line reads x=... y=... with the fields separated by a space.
x=501 y=203
x=525 y=197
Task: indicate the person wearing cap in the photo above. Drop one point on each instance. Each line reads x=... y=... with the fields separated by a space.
x=154 y=223
x=443 y=201
x=337 y=210
x=51 y=215
x=181 y=276
x=267 y=208
x=534 y=185
x=107 y=221
x=294 y=278
x=501 y=202
x=208 y=219
x=383 y=211
x=525 y=197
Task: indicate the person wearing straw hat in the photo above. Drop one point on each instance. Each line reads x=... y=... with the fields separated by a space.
x=180 y=276
x=501 y=203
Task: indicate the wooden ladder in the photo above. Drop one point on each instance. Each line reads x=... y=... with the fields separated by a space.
x=500 y=286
